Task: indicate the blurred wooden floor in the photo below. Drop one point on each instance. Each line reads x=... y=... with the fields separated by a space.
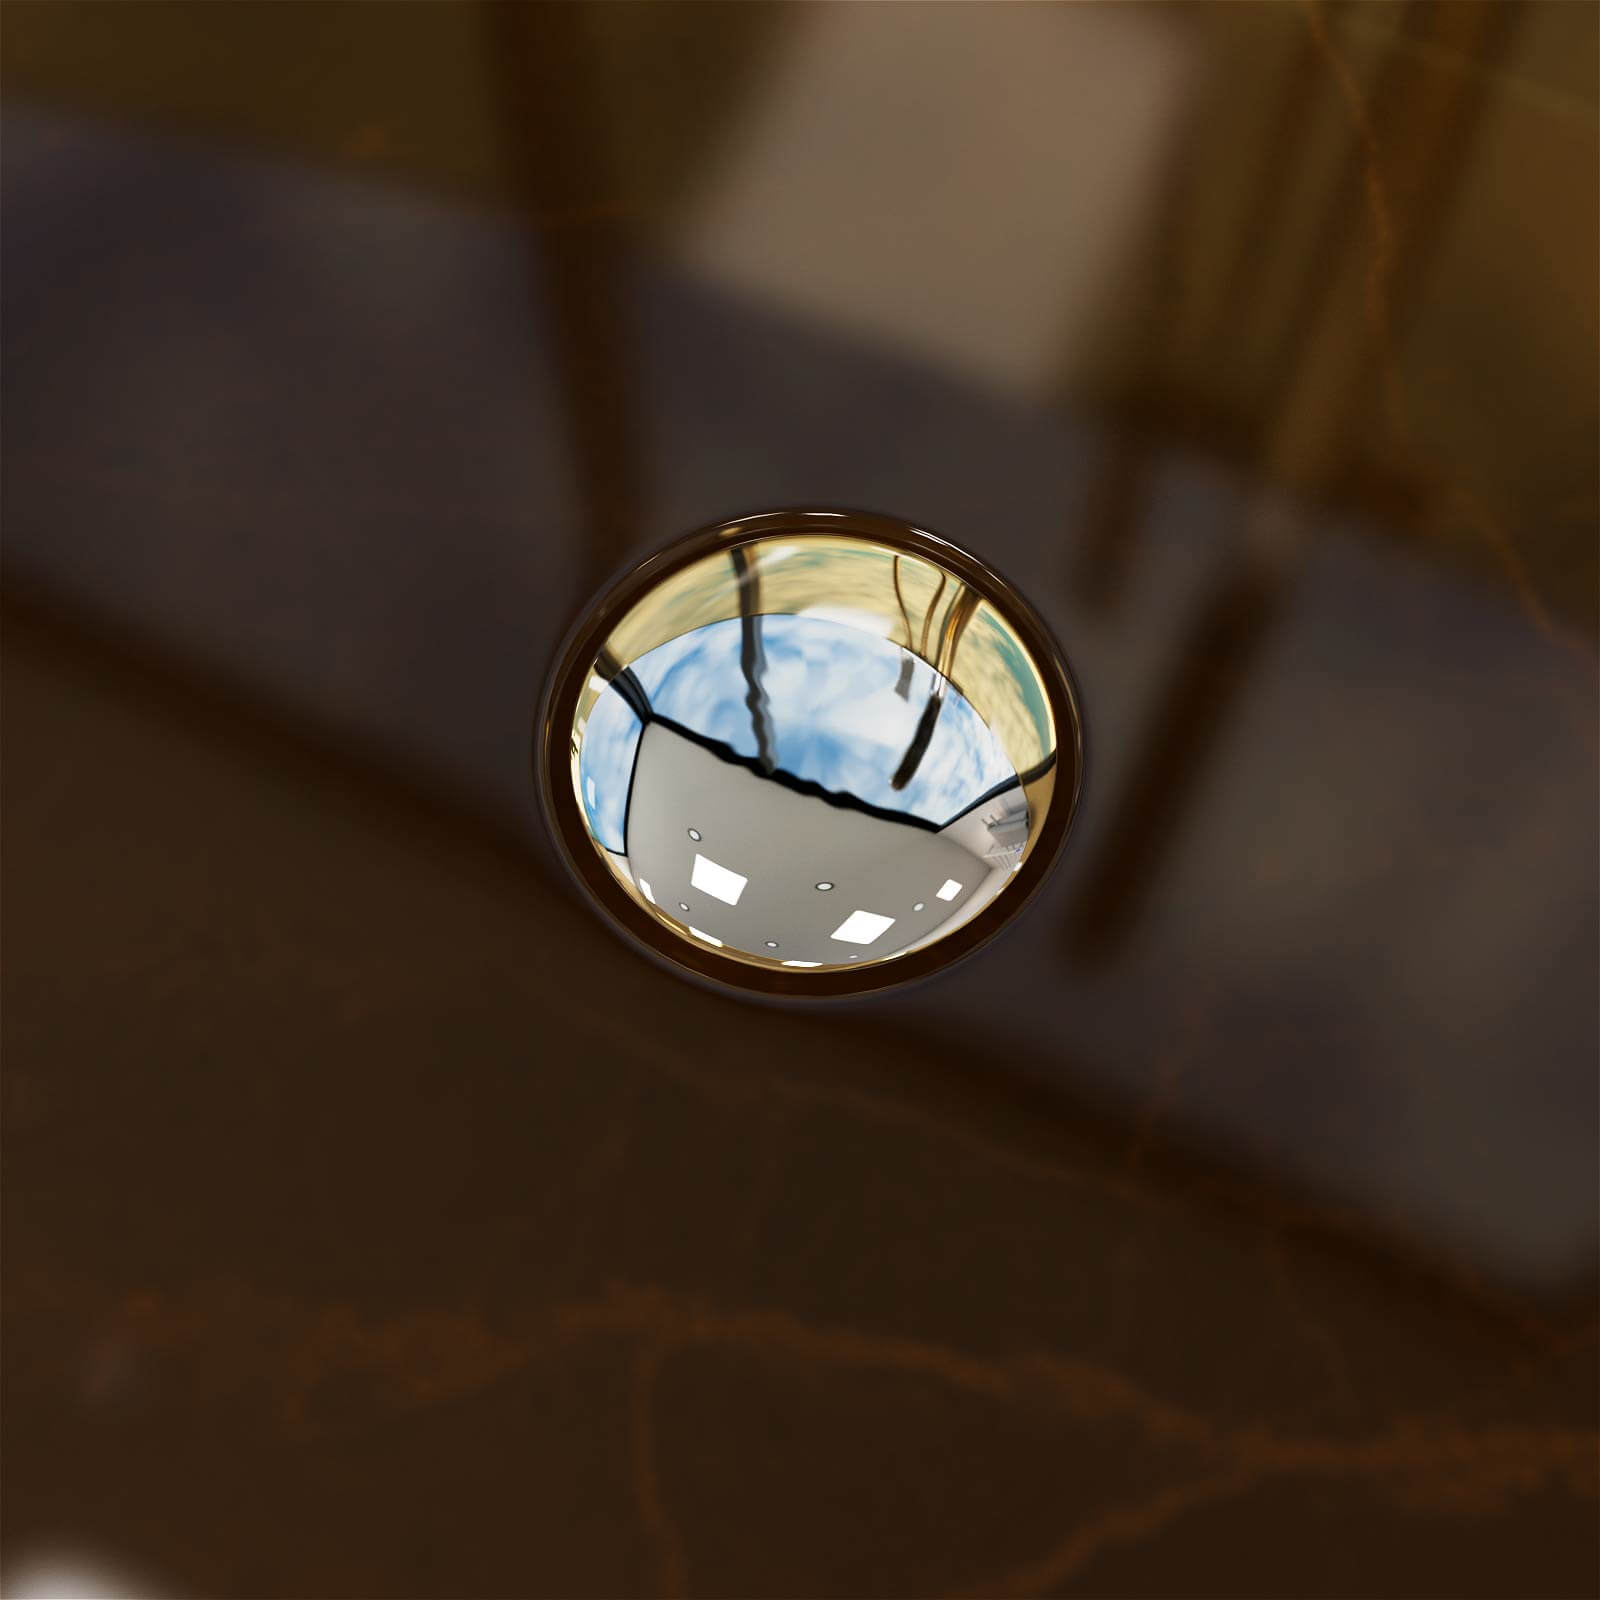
x=374 y=1227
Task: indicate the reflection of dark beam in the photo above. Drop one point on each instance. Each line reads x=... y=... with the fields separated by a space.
x=622 y=679
x=1429 y=145
x=1178 y=745
x=920 y=740
x=1114 y=512
x=1116 y=509
x=1154 y=400
x=1428 y=141
x=753 y=658
x=907 y=663
x=1314 y=405
x=1277 y=179
x=962 y=607
x=627 y=799
x=839 y=799
x=552 y=127
x=1113 y=517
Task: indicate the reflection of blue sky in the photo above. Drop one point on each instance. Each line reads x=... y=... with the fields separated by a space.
x=610 y=741
x=834 y=712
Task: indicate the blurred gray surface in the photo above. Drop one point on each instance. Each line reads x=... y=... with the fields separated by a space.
x=304 y=431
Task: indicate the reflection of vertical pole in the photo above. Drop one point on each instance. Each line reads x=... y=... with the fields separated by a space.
x=551 y=126
x=907 y=666
x=753 y=657
x=900 y=599
x=1311 y=406
x=623 y=680
x=1216 y=660
x=927 y=616
x=955 y=624
x=921 y=739
x=1115 y=501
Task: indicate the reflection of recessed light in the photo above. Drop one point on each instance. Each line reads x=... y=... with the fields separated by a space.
x=802 y=963
x=824 y=886
x=707 y=937
x=694 y=833
x=861 y=927
x=711 y=879
x=950 y=890
x=682 y=906
x=919 y=906
x=644 y=889
x=772 y=944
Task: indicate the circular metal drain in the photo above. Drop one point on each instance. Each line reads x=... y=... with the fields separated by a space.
x=810 y=753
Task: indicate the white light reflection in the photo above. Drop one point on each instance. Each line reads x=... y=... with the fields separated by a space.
x=862 y=927
x=71 y=1577
x=718 y=881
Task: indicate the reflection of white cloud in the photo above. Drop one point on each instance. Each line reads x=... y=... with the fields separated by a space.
x=833 y=709
x=853 y=617
x=605 y=761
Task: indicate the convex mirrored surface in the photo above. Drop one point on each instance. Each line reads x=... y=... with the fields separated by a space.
x=812 y=743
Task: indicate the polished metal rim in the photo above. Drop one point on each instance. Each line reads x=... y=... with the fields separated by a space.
x=566 y=824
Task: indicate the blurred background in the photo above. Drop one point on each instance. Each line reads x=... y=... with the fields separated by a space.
x=377 y=1225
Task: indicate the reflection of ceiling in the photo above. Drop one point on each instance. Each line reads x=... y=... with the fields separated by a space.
x=784 y=843
x=840 y=709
